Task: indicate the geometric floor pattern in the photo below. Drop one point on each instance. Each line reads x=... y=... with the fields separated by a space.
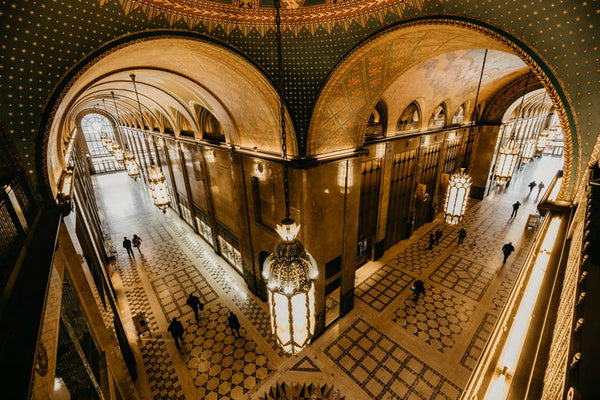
x=162 y=377
x=463 y=276
x=382 y=367
x=475 y=347
x=223 y=366
x=382 y=287
x=437 y=318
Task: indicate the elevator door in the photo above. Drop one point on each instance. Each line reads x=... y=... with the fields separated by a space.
x=424 y=208
x=369 y=206
x=452 y=156
x=398 y=219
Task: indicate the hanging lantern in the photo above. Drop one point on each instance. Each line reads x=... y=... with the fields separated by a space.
x=529 y=149
x=158 y=188
x=542 y=140
x=131 y=165
x=118 y=153
x=457 y=194
x=507 y=161
x=290 y=272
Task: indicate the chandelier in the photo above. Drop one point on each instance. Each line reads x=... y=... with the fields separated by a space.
x=529 y=150
x=110 y=146
x=508 y=156
x=507 y=161
x=290 y=271
x=118 y=153
x=131 y=165
x=459 y=184
x=457 y=194
x=159 y=190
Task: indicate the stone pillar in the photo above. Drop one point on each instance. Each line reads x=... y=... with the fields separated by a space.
x=482 y=159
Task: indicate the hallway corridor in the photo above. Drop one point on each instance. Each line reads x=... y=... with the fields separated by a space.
x=386 y=347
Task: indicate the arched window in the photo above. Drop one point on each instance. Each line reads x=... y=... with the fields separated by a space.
x=93 y=126
x=211 y=128
x=410 y=119
x=438 y=118
x=459 y=117
x=377 y=122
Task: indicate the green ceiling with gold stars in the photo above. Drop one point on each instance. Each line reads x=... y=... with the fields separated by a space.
x=42 y=41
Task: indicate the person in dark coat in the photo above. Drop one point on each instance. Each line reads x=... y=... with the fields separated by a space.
x=431 y=241
x=418 y=289
x=531 y=185
x=234 y=324
x=541 y=187
x=176 y=330
x=462 y=234
x=194 y=302
x=515 y=209
x=438 y=236
x=137 y=242
x=127 y=246
x=507 y=249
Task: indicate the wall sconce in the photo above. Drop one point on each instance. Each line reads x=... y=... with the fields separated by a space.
x=260 y=171
x=210 y=155
x=65 y=190
x=579 y=324
x=575 y=360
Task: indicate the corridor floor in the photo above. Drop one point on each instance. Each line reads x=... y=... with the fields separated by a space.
x=387 y=347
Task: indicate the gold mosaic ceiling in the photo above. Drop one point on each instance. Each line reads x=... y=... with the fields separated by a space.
x=259 y=14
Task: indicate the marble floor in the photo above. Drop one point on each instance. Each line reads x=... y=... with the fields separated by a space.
x=387 y=347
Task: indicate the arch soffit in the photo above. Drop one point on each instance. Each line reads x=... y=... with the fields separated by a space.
x=356 y=82
x=231 y=78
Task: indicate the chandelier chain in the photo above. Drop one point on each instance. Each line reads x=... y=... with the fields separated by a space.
x=279 y=38
x=132 y=76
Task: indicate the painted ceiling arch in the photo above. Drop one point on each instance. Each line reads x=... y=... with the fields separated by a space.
x=346 y=99
x=178 y=73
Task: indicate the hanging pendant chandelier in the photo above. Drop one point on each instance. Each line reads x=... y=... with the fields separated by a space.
x=508 y=156
x=507 y=161
x=118 y=153
x=159 y=189
x=457 y=194
x=529 y=149
x=131 y=165
x=290 y=271
x=459 y=184
x=110 y=146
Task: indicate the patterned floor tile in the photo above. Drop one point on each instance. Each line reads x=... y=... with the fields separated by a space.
x=437 y=318
x=223 y=366
x=475 y=347
x=382 y=287
x=383 y=368
x=466 y=277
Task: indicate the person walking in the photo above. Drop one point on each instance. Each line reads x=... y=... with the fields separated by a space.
x=515 y=209
x=176 y=330
x=431 y=241
x=194 y=302
x=418 y=289
x=137 y=241
x=127 y=246
x=507 y=249
x=541 y=187
x=438 y=236
x=462 y=234
x=531 y=185
x=234 y=324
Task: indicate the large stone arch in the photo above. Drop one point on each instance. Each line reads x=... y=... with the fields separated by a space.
x=239 y=94
x=343 y=106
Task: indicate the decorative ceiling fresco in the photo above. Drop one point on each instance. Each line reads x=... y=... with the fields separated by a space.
x=45 y=44
x=259 y=15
